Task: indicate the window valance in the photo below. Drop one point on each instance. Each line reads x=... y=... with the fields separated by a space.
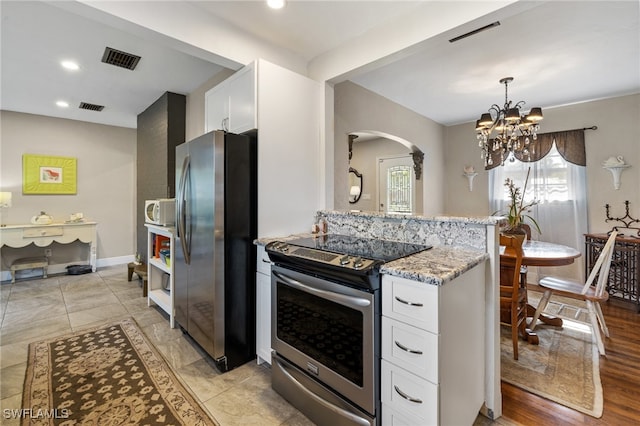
x=570 y=145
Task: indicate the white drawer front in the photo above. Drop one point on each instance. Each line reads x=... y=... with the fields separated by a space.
x=407 y=393
x=263 y=264
x=52 y=231
x=391 y=417
x=410 y=302
x=411 y=348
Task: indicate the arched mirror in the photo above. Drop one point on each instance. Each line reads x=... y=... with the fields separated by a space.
x=355 y=185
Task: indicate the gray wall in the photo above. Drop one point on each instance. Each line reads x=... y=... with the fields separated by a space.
x=106 y=159
x=618 y=121
x=357 y=109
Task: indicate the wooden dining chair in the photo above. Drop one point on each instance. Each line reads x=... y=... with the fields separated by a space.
x=587 y=292
x=513 y=297
x=523 y=269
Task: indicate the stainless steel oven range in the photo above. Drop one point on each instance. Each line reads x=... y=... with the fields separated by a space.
x=325 y=330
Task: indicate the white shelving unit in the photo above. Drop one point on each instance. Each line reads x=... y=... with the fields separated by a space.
x=156 y=269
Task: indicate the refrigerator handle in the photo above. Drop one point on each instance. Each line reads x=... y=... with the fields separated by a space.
x=185 y=239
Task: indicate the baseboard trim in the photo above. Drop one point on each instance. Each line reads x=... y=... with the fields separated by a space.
x=114 y=261
x=61 y=268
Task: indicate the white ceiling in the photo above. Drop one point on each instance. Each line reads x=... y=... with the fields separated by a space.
x=559 y=52
x=309 y=28
x=37 y=36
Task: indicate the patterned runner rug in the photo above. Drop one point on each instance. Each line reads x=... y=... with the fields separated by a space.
x=109 y=375
x=565 y=366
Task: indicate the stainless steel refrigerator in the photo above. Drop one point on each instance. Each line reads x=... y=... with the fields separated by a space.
x=216 y=222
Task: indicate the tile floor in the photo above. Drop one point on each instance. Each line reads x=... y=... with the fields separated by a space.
x=36 y=309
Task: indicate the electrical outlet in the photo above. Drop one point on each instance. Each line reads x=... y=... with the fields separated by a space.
x=47 y=252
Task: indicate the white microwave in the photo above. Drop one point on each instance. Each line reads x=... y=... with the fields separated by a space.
x=160 y=212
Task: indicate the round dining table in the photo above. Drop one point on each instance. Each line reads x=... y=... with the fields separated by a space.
x=537 y=253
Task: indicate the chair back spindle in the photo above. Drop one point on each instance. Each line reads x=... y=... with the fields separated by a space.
x=584 y=291
x=602 y=265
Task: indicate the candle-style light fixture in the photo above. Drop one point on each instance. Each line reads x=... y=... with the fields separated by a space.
x=507 y=130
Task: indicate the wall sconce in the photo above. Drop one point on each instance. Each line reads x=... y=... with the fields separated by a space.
x=616 y=166
x=5 y=202
x=5 y=199
x=469 y=173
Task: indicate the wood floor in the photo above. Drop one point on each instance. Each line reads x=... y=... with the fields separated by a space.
x=619 y=373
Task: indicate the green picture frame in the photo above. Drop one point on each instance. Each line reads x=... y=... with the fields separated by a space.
x=46 y=174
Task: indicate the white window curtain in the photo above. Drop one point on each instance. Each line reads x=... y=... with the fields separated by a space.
x=560 y=189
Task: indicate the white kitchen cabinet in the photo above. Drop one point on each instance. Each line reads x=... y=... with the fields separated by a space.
x=432 y=368
x=263 y=307
x=286 y=109
x=160 y=276
x=231 y=105
x=216 y=108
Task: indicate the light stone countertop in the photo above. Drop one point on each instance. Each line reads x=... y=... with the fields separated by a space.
x=435 y=266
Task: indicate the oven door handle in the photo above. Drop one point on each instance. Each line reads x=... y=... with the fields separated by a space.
x=338 y=410
x=355 y=302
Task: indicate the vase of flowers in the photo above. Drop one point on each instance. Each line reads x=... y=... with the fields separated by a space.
x=517 y=211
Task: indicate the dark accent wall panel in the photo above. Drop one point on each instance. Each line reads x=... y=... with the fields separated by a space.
x=161 y=127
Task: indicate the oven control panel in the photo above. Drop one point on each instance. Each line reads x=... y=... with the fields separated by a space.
x=321 y=256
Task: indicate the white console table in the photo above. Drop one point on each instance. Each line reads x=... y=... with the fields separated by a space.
x=17 y=236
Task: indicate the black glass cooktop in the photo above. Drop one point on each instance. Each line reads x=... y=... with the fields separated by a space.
x=369 y=248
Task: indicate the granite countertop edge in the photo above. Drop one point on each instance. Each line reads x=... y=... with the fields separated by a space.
x=435 y=266
x=478 y=220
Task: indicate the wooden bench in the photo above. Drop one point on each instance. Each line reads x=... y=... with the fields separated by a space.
x=29 y=263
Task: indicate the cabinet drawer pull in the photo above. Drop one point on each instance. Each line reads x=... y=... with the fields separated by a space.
x=407 y=302
x=406 y=349
x=405 y=396
x=266 y=261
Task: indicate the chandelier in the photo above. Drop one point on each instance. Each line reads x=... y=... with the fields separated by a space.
x=507 y=130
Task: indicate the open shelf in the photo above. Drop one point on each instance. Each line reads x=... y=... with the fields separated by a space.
x=157 y=269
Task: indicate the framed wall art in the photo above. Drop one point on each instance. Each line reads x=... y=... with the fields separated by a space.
x=45 y=174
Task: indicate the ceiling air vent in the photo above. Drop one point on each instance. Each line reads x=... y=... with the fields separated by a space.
x=91 y=107
x=120 y=58
x=474 y=32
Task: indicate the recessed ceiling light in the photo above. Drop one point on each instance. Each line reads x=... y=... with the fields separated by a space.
x=70 y=65
x=62 y=104
x=276 y=4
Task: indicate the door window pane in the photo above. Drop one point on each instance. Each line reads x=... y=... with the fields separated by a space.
x=399 y=189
